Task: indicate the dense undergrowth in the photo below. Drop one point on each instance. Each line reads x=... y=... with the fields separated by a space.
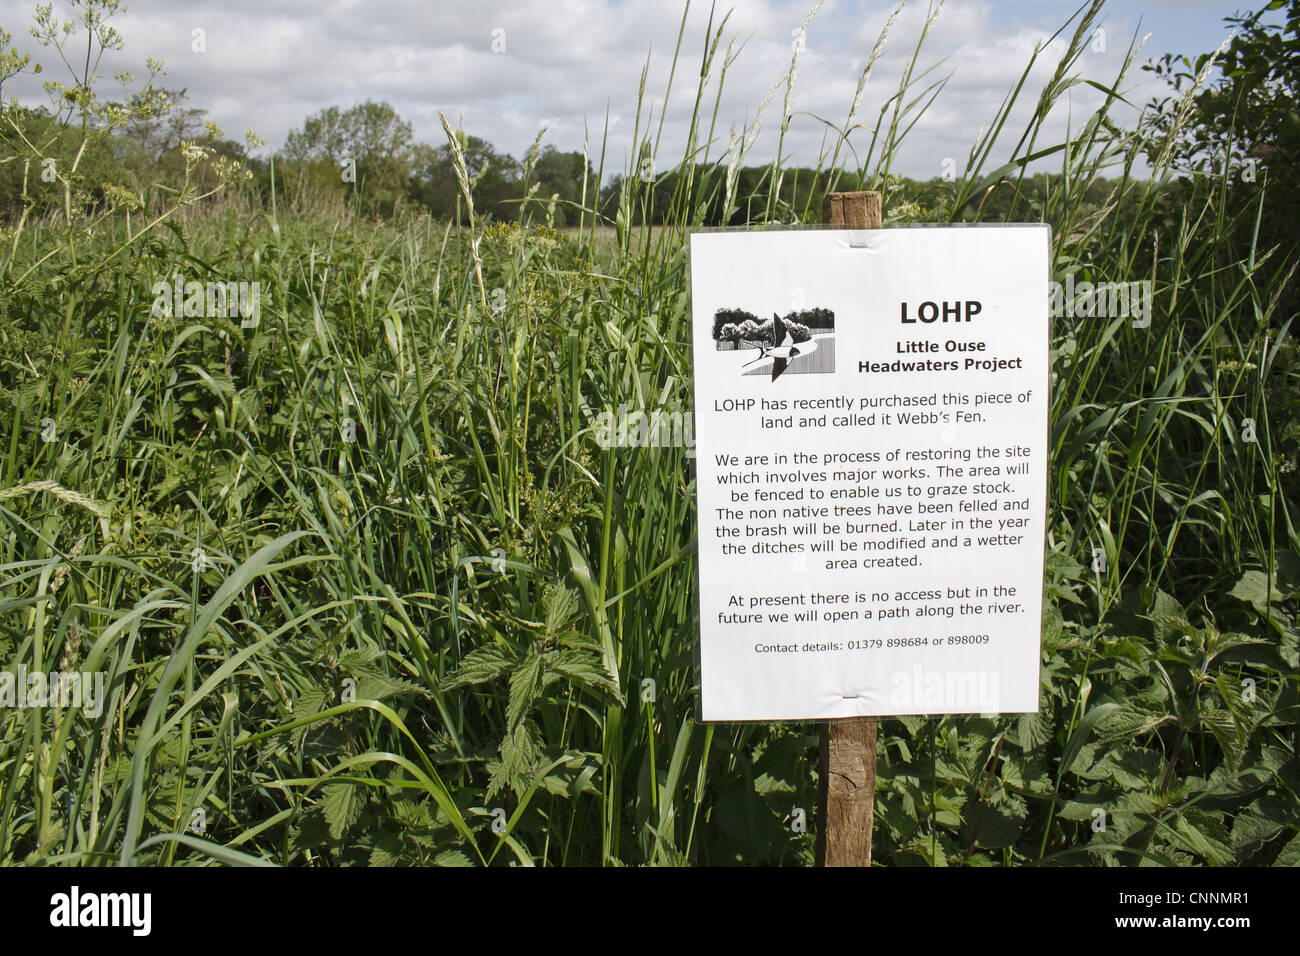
x=366 y=589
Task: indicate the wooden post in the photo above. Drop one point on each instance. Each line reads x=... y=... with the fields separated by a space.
x=847 y=789
x=852 y=210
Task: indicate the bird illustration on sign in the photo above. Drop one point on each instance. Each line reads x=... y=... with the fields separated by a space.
x=783 y=348
x=800 y=343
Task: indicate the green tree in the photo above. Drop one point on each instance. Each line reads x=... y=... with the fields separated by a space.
x=494 y=177
x=370 y=137
x=561 y=175
x=1243 y=129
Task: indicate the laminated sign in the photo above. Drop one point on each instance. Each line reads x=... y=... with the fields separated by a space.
x=871 y=454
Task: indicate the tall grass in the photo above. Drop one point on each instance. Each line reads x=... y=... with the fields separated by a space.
x=468 y=635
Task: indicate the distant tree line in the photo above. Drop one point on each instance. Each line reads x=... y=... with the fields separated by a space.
x=734 y=327
x=366 y=156
x=821 y=320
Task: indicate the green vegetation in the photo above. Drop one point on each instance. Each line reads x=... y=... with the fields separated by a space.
x=367 y=591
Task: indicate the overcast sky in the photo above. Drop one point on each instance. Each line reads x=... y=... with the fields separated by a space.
x=505 y=68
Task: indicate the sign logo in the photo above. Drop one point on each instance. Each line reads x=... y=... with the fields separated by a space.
x=803 y=342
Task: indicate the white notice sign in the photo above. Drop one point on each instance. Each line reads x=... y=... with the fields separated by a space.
x=871 y=454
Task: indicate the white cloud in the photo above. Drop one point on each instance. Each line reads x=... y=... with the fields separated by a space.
x=270 y=63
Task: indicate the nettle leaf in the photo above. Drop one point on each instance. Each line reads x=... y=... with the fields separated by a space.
x=1124 y=818
x=1217 y=642
x=1059 y=569
x=1251 y=830
x=1252 y=775
x=375 y=686
x=451 y=858
x=765 y=785
x=572 y=778
x=1165 y=605
x=387 y=850
x=1288 y=573
x=913 y=725
x=1253 y=588
x=1129 y=722
x=412 y=814
x=1233 y=694
x=1290 y=855
x=579 y=642
x=948 y=808
x=584 y=667
x=356 y=659
x=482 y=664
x=933 y=852
x=956 y=771
x=311 y=701
x=1081 y=806
x=996 y=828
x=1205 y=835
x=1131 y=769
x=525 y=687
x=342 y=807
x=1012 y=771
x=520 y=755
x=1075 y=746
x=311 y=833
x=1177 y=635
x=1034 y=730
x=665 y=853
x=1228 y=732
x=1130 y=650
x=560 y=605
x=1289 y=646
x=1141 y=802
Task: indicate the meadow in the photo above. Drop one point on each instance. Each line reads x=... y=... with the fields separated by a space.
x=365 y=589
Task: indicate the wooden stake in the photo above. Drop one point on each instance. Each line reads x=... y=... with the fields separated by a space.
x=847 y=789
x=847 y=795
x=852 y=210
